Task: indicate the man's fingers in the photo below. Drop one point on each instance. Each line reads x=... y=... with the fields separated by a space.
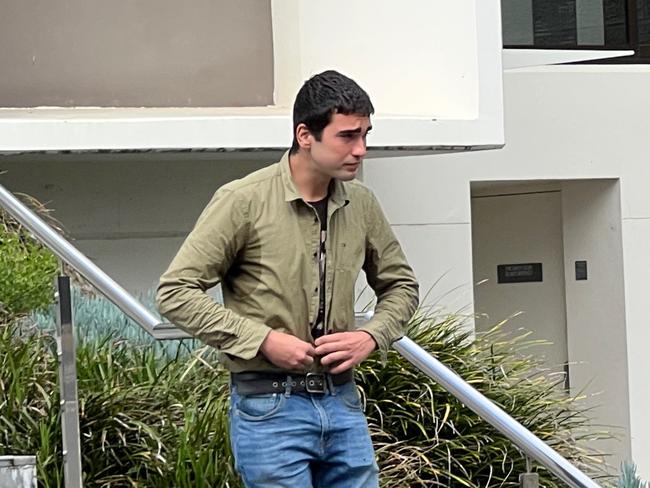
x=287 y=351
x=328 y=338
x=327 y=348
x=308 y=357
x=334 y=357
x=340 y=368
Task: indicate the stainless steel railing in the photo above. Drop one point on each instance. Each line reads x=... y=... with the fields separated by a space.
x=99 y=279
x=528 y=442
x=454 y=384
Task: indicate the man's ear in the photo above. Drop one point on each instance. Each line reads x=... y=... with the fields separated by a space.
x=304 y=137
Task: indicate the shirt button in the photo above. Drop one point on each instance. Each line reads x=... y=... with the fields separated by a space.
x=315 y=290
x=315 y=254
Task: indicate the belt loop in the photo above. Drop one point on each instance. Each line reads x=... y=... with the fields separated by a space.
x=330 y=384
x=287 y=386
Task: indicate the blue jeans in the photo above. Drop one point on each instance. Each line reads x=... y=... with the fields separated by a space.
x=302 y=440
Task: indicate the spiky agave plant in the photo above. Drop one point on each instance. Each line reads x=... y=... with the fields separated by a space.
x=629 y=478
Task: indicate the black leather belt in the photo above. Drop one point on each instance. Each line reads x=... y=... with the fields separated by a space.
x=259 y=383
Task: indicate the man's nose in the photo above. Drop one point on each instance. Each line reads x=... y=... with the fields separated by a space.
x=360 y=148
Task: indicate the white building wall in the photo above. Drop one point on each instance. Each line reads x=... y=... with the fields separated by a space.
x=431 y=47
x=595 y=307
x=636 y=236
x=562 y=122
x=433 y=69
x=128 y=213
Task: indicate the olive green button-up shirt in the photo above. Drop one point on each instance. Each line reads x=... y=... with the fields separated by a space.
x=260 y=240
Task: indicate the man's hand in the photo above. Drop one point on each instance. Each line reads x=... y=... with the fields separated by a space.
x=344 y=350
x=287 y=351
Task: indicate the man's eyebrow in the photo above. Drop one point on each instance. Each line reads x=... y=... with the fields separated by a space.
x=354 y=131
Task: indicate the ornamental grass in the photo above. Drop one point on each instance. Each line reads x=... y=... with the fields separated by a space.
x=155 y=414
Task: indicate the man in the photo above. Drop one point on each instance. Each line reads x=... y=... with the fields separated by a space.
x=287 y=243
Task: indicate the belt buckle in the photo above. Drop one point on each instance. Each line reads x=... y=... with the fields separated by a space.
x=315 y=383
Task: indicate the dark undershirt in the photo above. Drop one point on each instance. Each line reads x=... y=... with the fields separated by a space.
x=321 y=209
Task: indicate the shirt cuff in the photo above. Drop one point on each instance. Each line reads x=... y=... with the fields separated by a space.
x=378 y=333
x=251 y=335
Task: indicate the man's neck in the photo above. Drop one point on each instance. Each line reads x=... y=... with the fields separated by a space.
x=312 y=185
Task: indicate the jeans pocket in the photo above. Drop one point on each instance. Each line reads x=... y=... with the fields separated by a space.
x=349 y=395
x=258 y=407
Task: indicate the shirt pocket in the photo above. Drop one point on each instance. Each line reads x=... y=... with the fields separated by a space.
x=350 y=255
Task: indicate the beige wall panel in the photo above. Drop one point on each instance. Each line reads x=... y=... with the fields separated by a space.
x=129 y=196
x=130 y=213
x=595 y=307
x=136 y=53
x=513 y=229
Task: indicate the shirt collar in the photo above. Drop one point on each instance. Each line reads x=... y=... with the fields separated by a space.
x=338 y=194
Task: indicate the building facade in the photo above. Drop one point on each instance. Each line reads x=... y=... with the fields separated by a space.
x=125 y=119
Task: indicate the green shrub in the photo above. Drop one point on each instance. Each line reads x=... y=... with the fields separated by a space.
x=426 y=437
x=151 y=419
x=27 y=272
x=29 y=399
x=146 y=419
x=156 y=416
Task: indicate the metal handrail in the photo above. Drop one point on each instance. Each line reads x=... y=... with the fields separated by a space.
x=421 y=359
x=493 y=414
x=89 y=270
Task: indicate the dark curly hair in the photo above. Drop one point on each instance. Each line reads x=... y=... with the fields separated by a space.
x=323 y=95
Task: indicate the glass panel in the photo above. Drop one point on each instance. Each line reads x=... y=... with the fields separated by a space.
x=571 y=23
x=643 y=9
x=590 y=22
x=517 y=22
x=555 y=23
x=615 y=23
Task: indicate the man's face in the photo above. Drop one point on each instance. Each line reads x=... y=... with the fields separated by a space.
x=342 y=147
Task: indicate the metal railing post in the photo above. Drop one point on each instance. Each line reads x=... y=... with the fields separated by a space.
x=68 y=386
x=529 y=479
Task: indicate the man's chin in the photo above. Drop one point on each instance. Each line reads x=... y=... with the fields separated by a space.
x=347 y=175
x=348 y=172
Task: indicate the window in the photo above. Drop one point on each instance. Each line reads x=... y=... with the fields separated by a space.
x=579 y=24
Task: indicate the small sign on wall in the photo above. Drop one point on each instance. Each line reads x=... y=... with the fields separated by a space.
x=519 y=273
x=581 y=270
